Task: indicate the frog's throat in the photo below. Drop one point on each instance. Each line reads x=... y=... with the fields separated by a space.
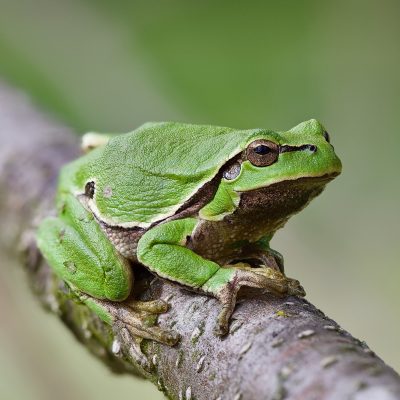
x=279 y=201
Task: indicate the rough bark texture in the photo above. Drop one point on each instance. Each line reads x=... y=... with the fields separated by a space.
x=277 y=349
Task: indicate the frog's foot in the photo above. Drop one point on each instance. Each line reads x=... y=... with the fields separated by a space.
x=135 y=350
x=243 y=275
x=139 y=317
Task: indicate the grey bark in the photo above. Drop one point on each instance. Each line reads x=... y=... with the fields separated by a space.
x=278 y=348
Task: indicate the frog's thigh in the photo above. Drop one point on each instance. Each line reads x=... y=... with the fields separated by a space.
x=80 y=253
x=162 y=249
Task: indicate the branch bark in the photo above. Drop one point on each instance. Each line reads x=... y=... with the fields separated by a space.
x=277 y=349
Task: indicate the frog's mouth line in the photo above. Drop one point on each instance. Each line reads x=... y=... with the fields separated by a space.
x=313 y=178
x=327 y=176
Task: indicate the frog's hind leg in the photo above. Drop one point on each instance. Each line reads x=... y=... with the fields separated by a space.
x=81 y=254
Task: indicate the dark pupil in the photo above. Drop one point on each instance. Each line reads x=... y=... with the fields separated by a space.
x=262 y=149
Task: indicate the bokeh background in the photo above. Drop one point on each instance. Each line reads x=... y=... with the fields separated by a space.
x=110 y=66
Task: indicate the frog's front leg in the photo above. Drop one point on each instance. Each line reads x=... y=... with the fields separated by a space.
x=162 y=249
x=80 y=254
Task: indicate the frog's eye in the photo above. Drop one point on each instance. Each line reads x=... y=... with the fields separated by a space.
x=262 y=153
x=326 y=136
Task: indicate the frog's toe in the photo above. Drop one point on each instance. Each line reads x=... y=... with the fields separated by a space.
x=170 y=338
x=222 y=326
x=129 y=336
x=295 y=288
x=278 y=283
x=265 y=278
x=151 y=306
x=140 y=325
x=135 y=350
x=221 y=329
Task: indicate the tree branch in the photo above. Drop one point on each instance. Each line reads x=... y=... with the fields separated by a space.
x=277 y=349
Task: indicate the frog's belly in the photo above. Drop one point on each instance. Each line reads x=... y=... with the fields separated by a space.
x=224 y=241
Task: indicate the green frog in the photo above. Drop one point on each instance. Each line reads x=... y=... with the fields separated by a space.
x=194 y=204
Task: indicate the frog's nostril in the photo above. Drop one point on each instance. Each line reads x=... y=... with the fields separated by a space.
x=312 y=148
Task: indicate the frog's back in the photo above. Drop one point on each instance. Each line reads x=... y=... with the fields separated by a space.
x=145 y=175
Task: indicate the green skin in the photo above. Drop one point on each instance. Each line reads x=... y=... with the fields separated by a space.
x=189 y=202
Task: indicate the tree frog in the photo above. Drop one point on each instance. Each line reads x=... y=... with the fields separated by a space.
x=194 y=204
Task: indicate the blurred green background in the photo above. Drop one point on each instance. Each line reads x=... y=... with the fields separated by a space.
x=100 y=65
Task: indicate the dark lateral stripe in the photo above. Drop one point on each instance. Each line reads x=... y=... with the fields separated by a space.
x=286 y=148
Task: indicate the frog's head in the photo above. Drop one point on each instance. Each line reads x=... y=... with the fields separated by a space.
x=279 y=173
x=270 y=158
